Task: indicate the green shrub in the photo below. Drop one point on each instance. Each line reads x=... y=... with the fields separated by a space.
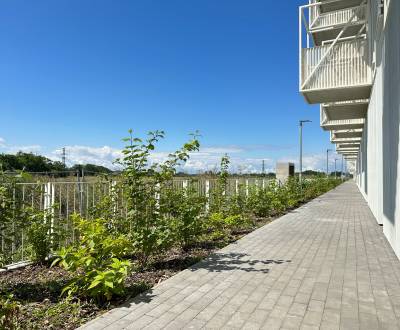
x=186 y=208
x=218 y=226
x=259 y=201
x=96 y=259
x=143 y=184
x=215 y=226
x=237 y=222
x=219 y=199
x=9 y=311
x=43 y=236
x=238 y=203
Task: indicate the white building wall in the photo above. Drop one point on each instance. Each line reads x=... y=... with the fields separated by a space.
x=378 y=166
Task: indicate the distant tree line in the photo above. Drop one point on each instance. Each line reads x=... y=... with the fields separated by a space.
x=37 y=164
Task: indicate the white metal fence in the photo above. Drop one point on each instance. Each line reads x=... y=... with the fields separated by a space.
x=62 y=199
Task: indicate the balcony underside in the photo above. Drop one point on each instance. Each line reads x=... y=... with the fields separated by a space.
x=355 y=133
x=347 y=145
x=330 y=33
x=345 y=93
x=344 y=140
x=338 y=5
x=345 y=110
x=349 y=154
x=347 y=150
x=342 y=124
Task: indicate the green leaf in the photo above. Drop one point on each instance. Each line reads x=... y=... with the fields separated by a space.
x=94 y=284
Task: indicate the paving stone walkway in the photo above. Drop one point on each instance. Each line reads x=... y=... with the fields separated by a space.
x=325 y=265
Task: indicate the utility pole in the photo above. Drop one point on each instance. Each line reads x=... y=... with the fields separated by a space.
x=301 y=122
x=327 y=161
x=263 y=167
x=63 y=156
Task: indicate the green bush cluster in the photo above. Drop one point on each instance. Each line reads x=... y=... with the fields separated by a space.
x=158 y=216
x=9 y=311
x=96 y=259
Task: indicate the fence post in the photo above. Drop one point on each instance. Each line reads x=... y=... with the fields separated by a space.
x=185 y=184
x=13 y=227
x=52 y=205
x=113 y=197
x=263 y=183
x=48 y=207
x=208 y=195
x=80 y=192
x=157 y=196
x=237 y=186
x=247 y=187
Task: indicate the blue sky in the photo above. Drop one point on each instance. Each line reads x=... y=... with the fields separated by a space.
x=80 y=73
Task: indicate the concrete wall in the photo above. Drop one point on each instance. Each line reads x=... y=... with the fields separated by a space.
x=378 y=166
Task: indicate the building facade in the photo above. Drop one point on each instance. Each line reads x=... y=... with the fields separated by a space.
x=349 y=54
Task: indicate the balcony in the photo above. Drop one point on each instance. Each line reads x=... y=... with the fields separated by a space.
x=349 y=145
x=346 y=149
x=333 y=73
x=332 y=5
x=334 y=62
x=349 y=153
x=325 y=26
x=346 y=136
x=343 y=115
x=329 y=125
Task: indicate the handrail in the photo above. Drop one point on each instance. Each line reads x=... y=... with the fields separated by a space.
x=362 y=36
x=315 y=4
x=330 y=48
x=323 y=21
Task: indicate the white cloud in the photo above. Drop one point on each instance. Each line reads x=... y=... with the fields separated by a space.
x=208 y=158
x=104 y=156
x=316 y=162
x=13 y=149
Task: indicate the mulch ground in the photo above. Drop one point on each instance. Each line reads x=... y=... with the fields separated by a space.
x=38 y=287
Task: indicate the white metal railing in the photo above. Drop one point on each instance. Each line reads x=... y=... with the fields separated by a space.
x=338 y=17
x=345 y=103
x=59 y=200
x=346 y=65
x=342 y=122
x=323 y=116
x=313 y=12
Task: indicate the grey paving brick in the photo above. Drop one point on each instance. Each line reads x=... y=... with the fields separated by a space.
x=298 y=309
x=292 y=322
x=326 y=266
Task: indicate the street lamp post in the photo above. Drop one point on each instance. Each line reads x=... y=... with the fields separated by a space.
x=301 y=122
x=327 y=161
x=341 y=171
x=335 y=168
